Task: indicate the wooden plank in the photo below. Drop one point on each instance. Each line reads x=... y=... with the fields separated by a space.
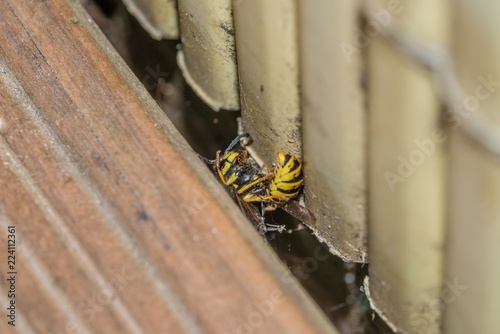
x=470 y=293
x=334 y=131
x=407 y=169
x=123 y=228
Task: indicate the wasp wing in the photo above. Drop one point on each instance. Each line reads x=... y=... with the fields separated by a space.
x=253 y=214
x=299 y=212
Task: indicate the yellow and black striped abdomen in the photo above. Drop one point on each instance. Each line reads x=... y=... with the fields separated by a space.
x=227 y=167
x=288 y=179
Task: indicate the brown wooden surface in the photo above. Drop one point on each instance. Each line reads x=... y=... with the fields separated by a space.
x=120 y=228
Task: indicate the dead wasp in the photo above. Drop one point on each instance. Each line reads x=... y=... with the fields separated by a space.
x=238 y=171
x=286 y=180
x=250 y=184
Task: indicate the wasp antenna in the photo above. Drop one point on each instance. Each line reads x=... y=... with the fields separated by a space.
x=206 y=160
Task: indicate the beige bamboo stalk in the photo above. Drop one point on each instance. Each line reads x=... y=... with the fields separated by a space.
x=266 y=43
x=407 y=171
x=208 y=56
x=158 y=17
x=471 y=296
x=334 y=126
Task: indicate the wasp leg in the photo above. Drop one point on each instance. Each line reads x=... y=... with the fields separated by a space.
x=270 y=227
x=217 y=165
x=253 y=183
x=205 y=160
x=253 y=215
x=275 y=228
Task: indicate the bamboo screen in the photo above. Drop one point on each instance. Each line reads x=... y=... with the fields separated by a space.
x=393 y=107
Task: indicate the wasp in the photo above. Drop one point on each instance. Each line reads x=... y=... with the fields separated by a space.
x=250 y=184
x=286 y=182
x=283 y=188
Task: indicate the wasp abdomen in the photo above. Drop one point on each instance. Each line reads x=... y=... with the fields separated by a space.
x=288 y=178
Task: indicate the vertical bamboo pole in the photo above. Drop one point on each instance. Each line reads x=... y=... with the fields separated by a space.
x=471 y=295
x=208 y=56
x=266 y=42
x=158 y=17
x=334 y=126
x=407 y=188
